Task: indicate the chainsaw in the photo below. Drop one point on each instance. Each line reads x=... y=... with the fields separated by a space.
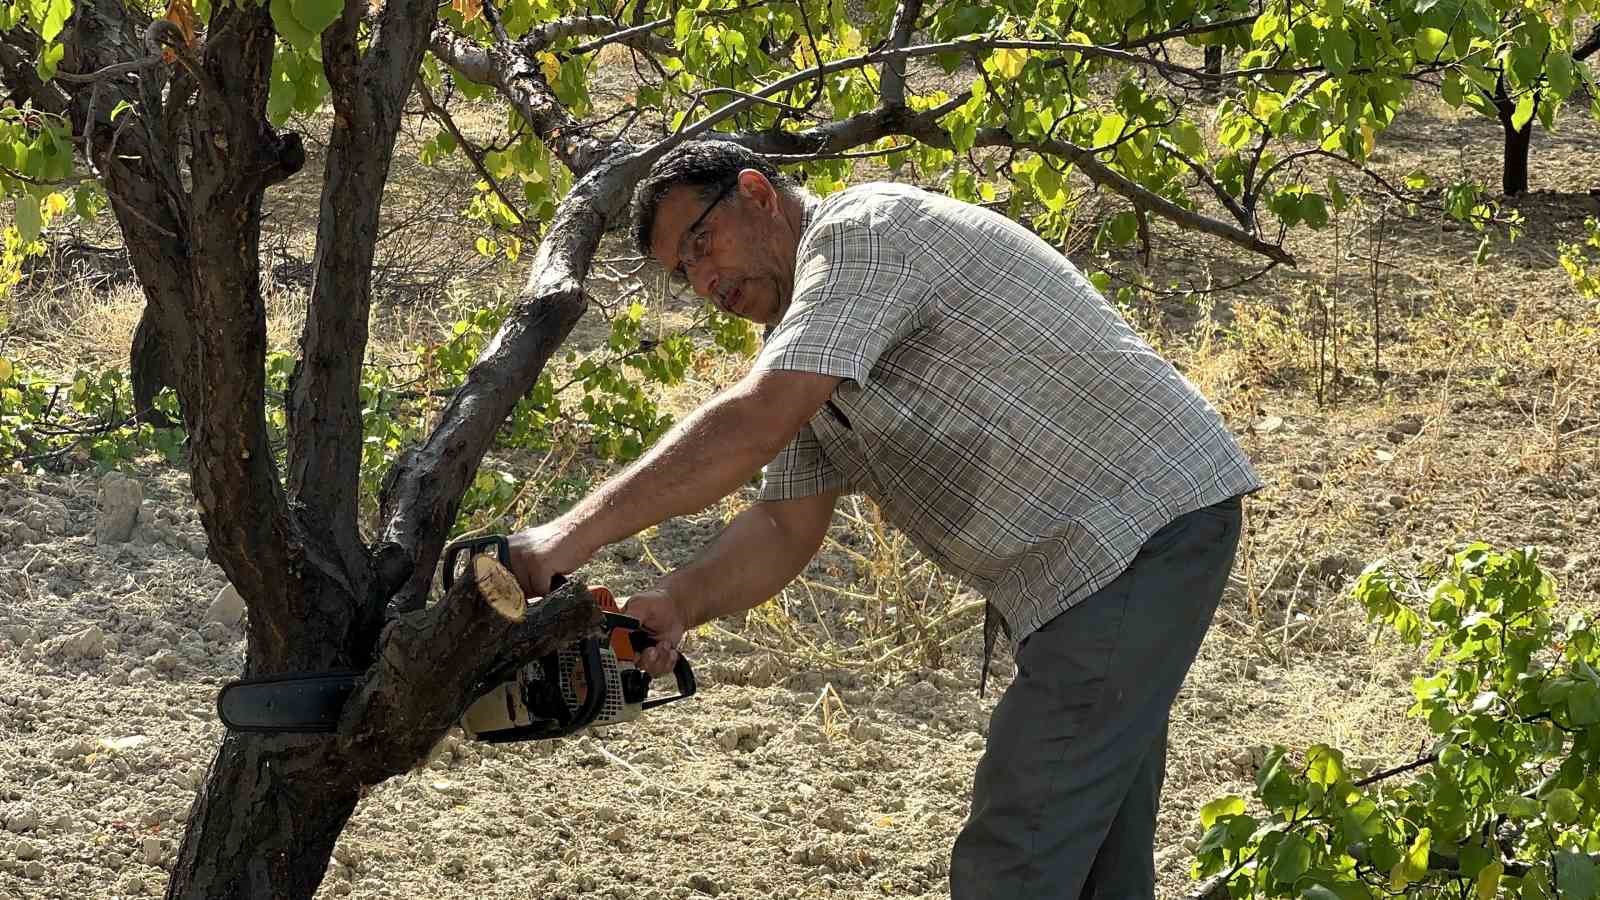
x=591 y=683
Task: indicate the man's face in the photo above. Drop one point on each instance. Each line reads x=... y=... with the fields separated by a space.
x=736 y=249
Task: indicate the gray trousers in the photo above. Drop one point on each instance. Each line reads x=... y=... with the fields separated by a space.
x=1065 y=797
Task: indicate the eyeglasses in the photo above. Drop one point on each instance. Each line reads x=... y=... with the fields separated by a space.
x=694 y=243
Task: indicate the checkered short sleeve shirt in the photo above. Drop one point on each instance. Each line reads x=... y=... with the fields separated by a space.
x=995 y=406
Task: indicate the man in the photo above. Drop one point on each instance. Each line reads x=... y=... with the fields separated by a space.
x=948 y=363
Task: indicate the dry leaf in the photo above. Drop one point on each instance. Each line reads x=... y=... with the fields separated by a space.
x=181 y=14
x=469 y=9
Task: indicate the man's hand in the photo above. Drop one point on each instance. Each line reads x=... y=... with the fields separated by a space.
x=660 y=616
x=540 y=553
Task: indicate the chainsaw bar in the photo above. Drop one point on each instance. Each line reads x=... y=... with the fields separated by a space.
x=306 y=702
x=311 y=702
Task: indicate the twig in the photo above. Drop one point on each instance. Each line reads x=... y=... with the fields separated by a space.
x=115 y=70
x=1418 y=763
x=472 y=153
x=626 y=36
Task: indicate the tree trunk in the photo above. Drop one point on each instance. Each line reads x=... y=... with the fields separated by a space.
x=1514 y=176
x=272 y=807
x=265 y=822
x=1514 y=164
x=149 y=370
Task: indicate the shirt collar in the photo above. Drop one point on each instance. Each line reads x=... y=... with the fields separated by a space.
x=808 y=211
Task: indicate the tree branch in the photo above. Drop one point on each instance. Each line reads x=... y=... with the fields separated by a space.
x=1590 y=45
x=515 y=75
x=432 y=664
x=893 y=79
x=640 y=37
x=863 y=128
x=368 y=88
x=424 y=489
x=966 y=46
x=1226 y=199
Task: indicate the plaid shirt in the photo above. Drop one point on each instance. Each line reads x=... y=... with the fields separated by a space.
x=994 y=405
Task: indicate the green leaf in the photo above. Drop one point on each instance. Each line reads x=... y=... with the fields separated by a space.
x=1525 y=65
x=1187 y=138
x=1576 y=878
x=1109 y=129
x=1314 y=211
x=1487 y=883
x=1559 y=70
x=1523 y=113
x=1561 y=805
x=1338 y=51
x=1268 y=24
x=1430 y=43
x=289 y=27
x=1123 y=227
x=1222 y=806
x=1336 y=193
x=1415 y=863
x=1325 y=765
x=1451 y=89
x=29 y=222
x=1291 y=859
x=1046 y=180
x=1008 y=62
x=55 y=17
x=1583 y=703
x=49 y=58
x=316 y=15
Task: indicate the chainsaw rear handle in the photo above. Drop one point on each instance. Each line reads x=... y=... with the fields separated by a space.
x=685 y=678
x=681 y=672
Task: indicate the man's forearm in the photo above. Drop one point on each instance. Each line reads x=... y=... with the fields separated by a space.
x=750 y=561
x=704 y=458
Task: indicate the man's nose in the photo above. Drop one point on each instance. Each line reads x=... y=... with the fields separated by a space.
x=702 y=278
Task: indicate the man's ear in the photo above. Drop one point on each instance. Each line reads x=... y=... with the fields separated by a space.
x=755 y=187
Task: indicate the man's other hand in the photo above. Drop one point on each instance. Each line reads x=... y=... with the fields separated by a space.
x=539 y=554
x=660 y=616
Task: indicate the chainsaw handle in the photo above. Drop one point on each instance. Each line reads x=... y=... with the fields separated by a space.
x=472 y=547
x=684 y=675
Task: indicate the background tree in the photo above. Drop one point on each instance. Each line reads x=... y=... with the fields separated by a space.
x=177 y=116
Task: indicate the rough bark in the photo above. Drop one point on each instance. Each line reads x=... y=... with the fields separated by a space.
x=234 y=158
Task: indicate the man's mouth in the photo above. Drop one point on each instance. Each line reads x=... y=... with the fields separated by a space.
x=731 y=300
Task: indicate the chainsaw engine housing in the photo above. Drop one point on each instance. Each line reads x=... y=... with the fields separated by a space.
x=584 y=685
